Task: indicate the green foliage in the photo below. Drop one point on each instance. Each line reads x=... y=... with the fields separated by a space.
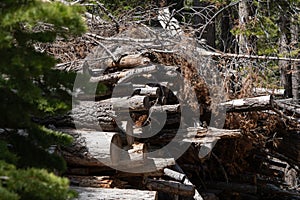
x=6 y=154
x=28 y=184
x=7 y=195
x=32 y=155
x=119 y=6
x=267 y=23
x=29 y=87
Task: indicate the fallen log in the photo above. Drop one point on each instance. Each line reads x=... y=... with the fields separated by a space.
x=134 y=103
x=275 y=92
x=114 y=77
x=166 y=108
x=87 y=170
x=93 y=148
x=153 y=92
x=198 y=135
x=102 y=115
x=249 y=104
x=287 y=105
x=87 y=151
x=129 y=89
x=85 y=193
x=151 y=167
x=175 y=175
x=171 y=187
x=94 y=115
x=237 y=187
x=96 y=181
x=129 y=61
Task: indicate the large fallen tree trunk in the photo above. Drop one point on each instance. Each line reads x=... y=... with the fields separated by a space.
x=99 y=149
x=93 y=148
x=85 y=193
x=114 y=77
x=102 y=115
x=249 y=104
x=198 y=135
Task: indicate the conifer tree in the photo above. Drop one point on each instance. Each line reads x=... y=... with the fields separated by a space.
x=30 y=87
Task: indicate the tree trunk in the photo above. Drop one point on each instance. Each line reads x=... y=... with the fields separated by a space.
x=85 y=193
x=170 y=187
x=226 y=36
x=243 y=19
x=284 y=65
x=295 y=65
x=102 y=115
x=93 y=148
x=249 y=104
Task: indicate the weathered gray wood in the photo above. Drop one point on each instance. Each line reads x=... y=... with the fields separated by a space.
x=166 y=108
x=102 y=115
x=151 y=167
x=136 y=103
x=93 y=148
x=135 y=156
x=128 y=127
x=198 y=135
x=288 y=106
x=170 y=187
x=129 y=61
x=94 y=115
x=113 y=194
x=264 y=91
x=175 y=175
x=149 y=91
x=114 y=77
x=248 y=104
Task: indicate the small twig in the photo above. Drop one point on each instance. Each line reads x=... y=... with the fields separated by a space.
x=106 y=49
x=109 y=15
x=216 y=14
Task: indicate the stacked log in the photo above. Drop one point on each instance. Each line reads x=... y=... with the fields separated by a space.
x=114 y=136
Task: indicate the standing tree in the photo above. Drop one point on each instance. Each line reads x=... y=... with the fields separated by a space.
x=30 y=87
x=243 y=19
x=294 y=48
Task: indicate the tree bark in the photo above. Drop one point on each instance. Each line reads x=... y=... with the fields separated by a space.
x=175 y=175
x=102 y=115
x=295 y=65
x=249 y=104
x=170 y=187
x=112 y=194
x=243 y=19
x=284 y=65
x=93 y=148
